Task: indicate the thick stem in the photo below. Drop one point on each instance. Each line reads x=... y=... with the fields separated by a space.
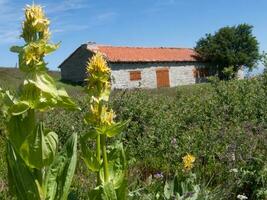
x=105 y=158
x=98 y=145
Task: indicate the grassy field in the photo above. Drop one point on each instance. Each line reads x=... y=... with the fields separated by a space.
x=223 y=124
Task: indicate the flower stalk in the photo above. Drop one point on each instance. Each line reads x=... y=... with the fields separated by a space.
x=105 y=158
x=100 y=119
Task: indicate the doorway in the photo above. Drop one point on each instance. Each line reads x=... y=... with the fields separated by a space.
x=163 y=77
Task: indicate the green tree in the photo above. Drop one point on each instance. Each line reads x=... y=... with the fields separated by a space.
x=233 y=47
x=264 y=61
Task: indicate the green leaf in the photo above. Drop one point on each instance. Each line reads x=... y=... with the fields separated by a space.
x=95 y=194
x=16 y=49
x=21 y=180
x=114 y=129
x=48 y=95
x=122 y=191
x=117 y=166
x=39 y=148
x=19 y=108
x=168 y=189
x=109 y=192
x=65 y=100
x=49 y=48
x=92 y=134
x=89 y=158
x=43 y=82
x=19 y=127
x=60 y=173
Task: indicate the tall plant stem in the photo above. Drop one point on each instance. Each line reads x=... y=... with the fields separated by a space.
x=98 y=148
x=105 y=158
x=98 y=156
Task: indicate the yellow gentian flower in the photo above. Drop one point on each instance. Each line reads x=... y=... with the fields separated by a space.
x=98 y=64
x=188 y=162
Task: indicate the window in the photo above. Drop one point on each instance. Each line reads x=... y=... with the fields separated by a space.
x=135 y=75
x=200 y=72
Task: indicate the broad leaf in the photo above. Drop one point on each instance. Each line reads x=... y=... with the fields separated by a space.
x=19 y=108
x=19 y=128
x=112 y=130
x=95 y=194
x=21 y=180
x=122 y=191
x=16 y=49
x=168 y=189
x=89 y=158
x=39 y=148
x=109 y=192
x=49 y=48
x=117 y=166
x=49 y=95
x=60 y=173
x=92 y=134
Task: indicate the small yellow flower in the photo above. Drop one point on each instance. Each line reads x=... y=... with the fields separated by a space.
x=107 y=117
x=33 y=53
x=188 y=162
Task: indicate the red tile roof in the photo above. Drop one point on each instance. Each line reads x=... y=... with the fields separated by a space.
x=142 y=54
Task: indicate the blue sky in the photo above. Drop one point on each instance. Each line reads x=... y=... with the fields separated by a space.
x=178 y=23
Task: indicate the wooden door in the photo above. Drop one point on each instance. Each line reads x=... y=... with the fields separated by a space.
x=163 y=78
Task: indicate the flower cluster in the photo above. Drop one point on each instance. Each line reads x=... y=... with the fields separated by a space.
x=98 y=77
x=36 y=25
x=35 y=32
x=98 y=88
x=107 y=116
x=188 y=162
x=100 y=116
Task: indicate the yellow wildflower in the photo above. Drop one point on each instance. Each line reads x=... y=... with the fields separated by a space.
x=98 y=77
x=35 y=14
x=35 y=22
x=107 y=117
x=188 y=162
x=33 y=52
x=98 y=64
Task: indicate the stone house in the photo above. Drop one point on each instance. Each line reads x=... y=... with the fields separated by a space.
x=139 y=67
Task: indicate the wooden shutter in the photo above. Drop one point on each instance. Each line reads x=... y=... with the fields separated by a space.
x=135 y=75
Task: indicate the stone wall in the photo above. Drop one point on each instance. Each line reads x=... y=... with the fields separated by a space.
x=179 y=74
